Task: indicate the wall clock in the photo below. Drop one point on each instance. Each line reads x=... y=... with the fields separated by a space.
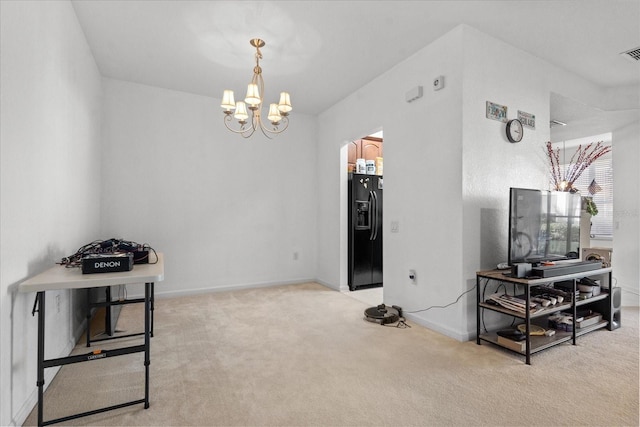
x=514 y=130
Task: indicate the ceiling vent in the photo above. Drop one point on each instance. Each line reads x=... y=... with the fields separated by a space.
x=632 y=55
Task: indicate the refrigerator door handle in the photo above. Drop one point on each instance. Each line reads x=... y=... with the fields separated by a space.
x=371 y=214
x=375 y=215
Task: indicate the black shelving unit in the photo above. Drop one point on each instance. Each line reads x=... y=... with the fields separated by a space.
x=534 y=344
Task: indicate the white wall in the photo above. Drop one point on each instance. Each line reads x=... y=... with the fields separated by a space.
x=231 y=213
x=626 y=212
x=448 y=169
x=227 y=212
x=410 y=150
x=497 y=72
x=50 y=181
x=626 y=180
x=500 y=73
x=422 y=178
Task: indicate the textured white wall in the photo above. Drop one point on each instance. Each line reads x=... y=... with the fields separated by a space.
x=457 y=224
x=497 y=72
x=422 y=178
x=227 y=212
x=447 y=170
x=625 y=152
x=626 y=212
x=50 y=141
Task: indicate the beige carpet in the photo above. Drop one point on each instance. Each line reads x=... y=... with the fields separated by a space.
x=302 y=355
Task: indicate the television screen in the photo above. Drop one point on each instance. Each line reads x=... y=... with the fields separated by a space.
x=543 y=225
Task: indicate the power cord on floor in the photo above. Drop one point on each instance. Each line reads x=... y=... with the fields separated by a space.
x=400 y=324
x=443 y=306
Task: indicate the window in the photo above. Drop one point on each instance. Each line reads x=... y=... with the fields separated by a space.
x=600 y=171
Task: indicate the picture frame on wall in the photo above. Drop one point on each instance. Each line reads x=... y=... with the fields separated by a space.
x=527 y=119
x=496 y=112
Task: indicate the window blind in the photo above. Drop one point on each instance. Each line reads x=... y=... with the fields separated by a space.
x=602 y=172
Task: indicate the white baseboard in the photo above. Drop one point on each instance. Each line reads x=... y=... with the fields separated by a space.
x=225 y=288
x=439 y=328
x=330 y=285
x=630 y=297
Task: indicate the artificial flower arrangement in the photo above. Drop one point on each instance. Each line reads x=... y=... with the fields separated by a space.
x=580 y=161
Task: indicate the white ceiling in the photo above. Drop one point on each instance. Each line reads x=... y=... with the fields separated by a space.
x=321 y=51
x=585 y=120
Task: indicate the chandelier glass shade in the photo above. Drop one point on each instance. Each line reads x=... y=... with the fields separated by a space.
x=248 y=113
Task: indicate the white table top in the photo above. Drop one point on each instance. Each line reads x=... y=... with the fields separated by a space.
x=61 y=277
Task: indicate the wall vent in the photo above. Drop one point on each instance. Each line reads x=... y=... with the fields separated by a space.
x=553 y=123
x=632 y=54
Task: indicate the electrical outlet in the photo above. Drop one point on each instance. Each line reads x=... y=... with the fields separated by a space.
x=395 y=226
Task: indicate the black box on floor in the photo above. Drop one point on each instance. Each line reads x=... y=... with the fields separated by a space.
x=107 y=263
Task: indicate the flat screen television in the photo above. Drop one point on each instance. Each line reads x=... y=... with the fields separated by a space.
x=543 y=225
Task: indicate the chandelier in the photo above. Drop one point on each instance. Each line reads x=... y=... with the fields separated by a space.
x=278 y=113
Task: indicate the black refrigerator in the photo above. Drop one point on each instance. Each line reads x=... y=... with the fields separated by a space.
x=365 y=231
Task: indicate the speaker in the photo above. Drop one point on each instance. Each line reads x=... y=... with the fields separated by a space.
x=616 y=309
x=611 y=311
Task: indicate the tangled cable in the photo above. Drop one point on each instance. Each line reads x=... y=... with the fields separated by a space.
x=111 y=246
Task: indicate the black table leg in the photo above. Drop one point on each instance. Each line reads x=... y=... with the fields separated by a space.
x=477 y=310
x=575 y=312
x=148 y=287
x=40 y=382
x=107 y=315
x=88 y=317
x=153 y=303
x=527 y=319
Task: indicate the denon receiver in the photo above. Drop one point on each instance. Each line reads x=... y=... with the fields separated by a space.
x=107 y=263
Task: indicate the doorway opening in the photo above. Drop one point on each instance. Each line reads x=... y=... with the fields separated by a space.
x=365 y=214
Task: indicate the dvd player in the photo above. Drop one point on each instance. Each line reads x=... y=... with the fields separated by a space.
x=562 y=269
